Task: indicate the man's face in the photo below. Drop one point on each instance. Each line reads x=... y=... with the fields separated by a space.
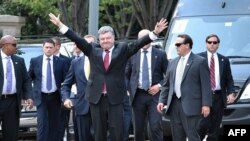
x=57 y=47
x=10 y=48
x=182 y=48
x=48 y=49
x=76 y=49
x=107 y=40
x=212 y=44
x=141 y=34
x=8 y=44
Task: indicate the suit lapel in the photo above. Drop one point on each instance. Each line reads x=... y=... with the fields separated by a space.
x=175 y=62
x=80 y=66
x=40 y=64
x=15 y=65
x=114 y=55
x=221 y=64
x=153 y=60
x=188 y=65
x=55 y=62
x=100 y=59
x=137 y=61
x=1 y=67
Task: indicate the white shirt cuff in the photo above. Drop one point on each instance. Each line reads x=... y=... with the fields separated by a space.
x=63 y=29
x=159 y=85
x=152 y=36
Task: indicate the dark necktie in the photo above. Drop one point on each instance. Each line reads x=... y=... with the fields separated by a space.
x=9 y=74
x=106 y=66
x=49 y=76
x=145 y=73
x=212 y=73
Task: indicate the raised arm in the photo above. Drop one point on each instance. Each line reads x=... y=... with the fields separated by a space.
x=81 y=43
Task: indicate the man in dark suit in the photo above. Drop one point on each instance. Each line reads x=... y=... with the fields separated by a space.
x=186 y=91
x=78 y=73
x=15 y=85
x=47 y=73
x=144 y=99
x=106 y=85
x=65 y=113
x=222 y=88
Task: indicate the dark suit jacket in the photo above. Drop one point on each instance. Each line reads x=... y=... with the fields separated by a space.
x=23 y=82
x=159 y=65
x=195 y=86
x=35 y=72
x=67 y=60
x=76 y=75
x=115 y=75
x=226 y=79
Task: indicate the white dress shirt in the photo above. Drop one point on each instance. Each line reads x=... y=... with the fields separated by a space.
x=44 y=75
x=4 y=61
x=216 y=67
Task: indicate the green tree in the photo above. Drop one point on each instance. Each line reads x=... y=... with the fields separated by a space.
x=127 y=17
x=148 y=12
x=118 y=14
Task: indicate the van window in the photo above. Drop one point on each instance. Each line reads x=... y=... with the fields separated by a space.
x=231 y=30
x=30 y=51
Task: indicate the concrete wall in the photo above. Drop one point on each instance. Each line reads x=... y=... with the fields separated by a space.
x=11 y=25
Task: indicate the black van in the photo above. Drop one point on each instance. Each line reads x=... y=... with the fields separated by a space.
x=230 y=20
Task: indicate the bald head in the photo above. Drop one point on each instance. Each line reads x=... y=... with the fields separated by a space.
x=7 y=39
x=141 y=34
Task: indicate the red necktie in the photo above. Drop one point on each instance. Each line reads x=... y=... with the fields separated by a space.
x=106 y=65
x=212 y=73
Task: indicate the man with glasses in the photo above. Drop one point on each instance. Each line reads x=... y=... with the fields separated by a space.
x=186 y=94
x=15 y=85
x=222 y=87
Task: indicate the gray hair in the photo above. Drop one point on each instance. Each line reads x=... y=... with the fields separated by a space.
x=105 y=29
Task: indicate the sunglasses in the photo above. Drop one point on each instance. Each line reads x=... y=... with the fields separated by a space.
x=214 y=42
x=178 y=44
x=14 y=45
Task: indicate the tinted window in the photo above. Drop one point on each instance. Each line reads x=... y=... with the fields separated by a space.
x=30 y=51
x=232 y=30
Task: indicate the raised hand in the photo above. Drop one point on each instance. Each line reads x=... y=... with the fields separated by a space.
x=160 y=26
x=55 y=20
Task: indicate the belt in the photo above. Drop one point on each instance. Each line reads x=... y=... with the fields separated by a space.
x=175 y=97
x=104 y=94
x=7 y=96
x=216 y=92
x=141 y=90
x=52 y=93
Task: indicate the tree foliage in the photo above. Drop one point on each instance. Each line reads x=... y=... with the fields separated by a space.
x=148 y=12
x=118 y=14
x=127 y=17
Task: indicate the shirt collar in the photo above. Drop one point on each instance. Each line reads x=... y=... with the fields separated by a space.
x=209 y=54
x=186 y=56
x=45 y=57
x=110 y=50
x=3 y=55
x=148 y=49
